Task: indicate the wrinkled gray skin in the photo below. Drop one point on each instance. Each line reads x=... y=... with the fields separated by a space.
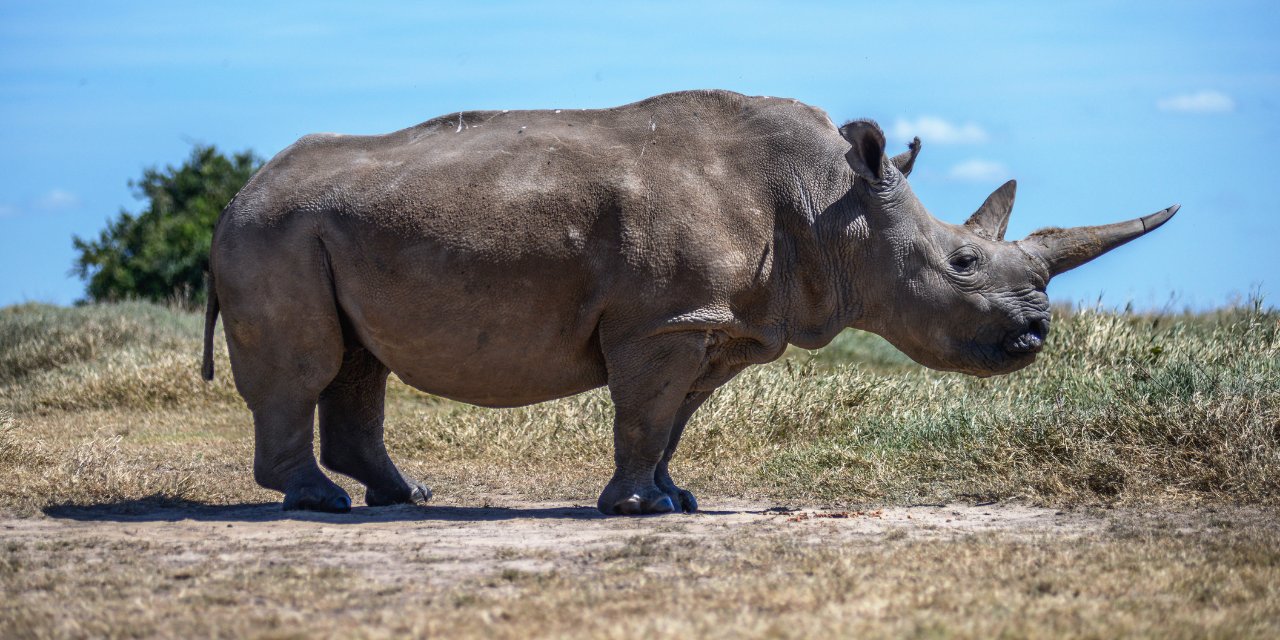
x=506 y=258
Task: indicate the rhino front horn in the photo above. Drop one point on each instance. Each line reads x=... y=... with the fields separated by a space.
x=1066 y=249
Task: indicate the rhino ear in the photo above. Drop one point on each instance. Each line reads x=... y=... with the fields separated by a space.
x=867 y=152
x=992 y=218
x=907 y=159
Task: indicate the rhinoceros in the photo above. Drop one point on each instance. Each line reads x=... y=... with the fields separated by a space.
x=502 y=258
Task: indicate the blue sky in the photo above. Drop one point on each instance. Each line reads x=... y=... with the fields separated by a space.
x=1102 y=111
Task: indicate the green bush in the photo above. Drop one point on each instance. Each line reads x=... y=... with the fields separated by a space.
x=162 y=253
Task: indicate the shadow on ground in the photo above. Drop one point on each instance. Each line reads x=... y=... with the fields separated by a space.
x=161 y=509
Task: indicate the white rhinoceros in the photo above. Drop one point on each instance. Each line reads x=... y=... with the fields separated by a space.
x=503 y=258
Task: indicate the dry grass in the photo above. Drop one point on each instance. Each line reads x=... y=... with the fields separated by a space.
x=104 y=405
x=1120 y=408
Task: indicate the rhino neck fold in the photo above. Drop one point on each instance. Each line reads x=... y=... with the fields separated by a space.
x=821 y=298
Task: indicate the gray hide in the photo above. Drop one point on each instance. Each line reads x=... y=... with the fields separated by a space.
x=505 y=258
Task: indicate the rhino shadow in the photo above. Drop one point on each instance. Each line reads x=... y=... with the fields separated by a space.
x=161 y=509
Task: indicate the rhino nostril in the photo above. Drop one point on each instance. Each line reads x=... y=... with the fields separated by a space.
x=1040 y=327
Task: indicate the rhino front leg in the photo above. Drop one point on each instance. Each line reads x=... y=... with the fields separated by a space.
x=682 y=498
x=351 y=431
x=649 y=380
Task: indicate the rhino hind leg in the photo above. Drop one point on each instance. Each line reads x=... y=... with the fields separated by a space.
x=283 y=354
x=351 y=431
x=283 y=460
x=649 y=382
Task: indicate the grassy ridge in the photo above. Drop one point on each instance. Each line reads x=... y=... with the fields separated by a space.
x=1119 y=407
x=128 y=356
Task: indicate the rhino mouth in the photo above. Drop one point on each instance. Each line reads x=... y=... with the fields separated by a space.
x=1027 y=339
x=1013 y=351
x=997 y=351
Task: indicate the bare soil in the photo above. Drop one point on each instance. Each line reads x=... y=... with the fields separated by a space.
x=446 y=544
x=512 y=568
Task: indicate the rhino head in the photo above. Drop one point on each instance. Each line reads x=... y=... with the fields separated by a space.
x=960 y=297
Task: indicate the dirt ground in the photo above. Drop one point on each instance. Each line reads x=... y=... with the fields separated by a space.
x=447 y=544
x=512 y=568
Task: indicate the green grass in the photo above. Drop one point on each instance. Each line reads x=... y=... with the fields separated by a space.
x=1120 y=407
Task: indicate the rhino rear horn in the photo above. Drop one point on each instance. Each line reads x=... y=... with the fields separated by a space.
x=1066 y=249
x=907 y=159
x=866 y=155
x=992 y=218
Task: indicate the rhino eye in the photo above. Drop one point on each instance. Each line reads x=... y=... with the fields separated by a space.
x=964 y=263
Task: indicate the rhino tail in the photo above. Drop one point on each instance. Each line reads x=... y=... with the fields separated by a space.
x=210 y=321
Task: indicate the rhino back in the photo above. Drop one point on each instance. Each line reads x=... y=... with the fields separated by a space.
x=480 y=255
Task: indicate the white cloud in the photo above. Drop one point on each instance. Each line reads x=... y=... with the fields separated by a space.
x=58 y=199
x=1198 y=102
x=935 y=130
x=978 y=170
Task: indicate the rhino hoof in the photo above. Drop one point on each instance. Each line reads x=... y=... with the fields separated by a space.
x=635 y=505
x=421 y=493
x=688 y=503
x=418 y=494
x=679 y=497
x=325 y=499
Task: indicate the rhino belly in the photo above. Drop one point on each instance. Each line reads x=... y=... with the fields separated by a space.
x=492 y=336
